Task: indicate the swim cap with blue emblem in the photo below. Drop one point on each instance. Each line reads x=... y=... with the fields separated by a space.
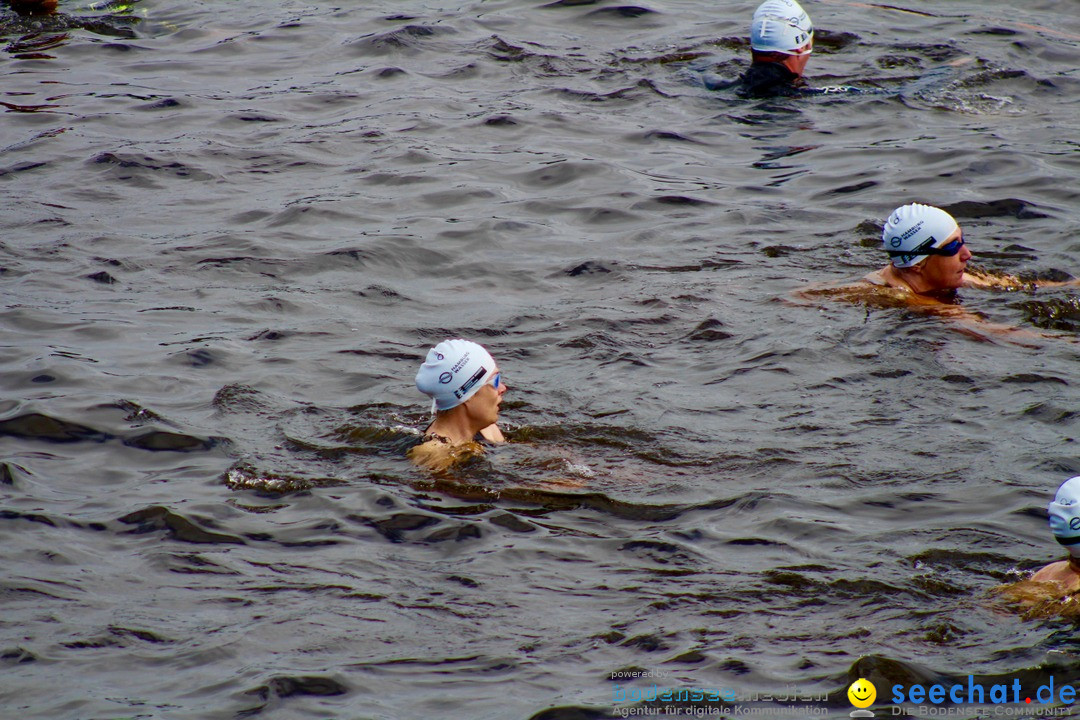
x=453 y=371
x=912 y=228
x=1064 y=512
x=781 y=26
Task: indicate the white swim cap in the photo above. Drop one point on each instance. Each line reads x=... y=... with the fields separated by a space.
x=453 y=371
x=1064 y=512
x=780 y=26
x=912 y=228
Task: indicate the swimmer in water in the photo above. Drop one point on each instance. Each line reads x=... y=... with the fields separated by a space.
x=928 y=264
x=1051 y=590
x=466 y=389
x=927 y=253
x=1064 y=513
x=781 y=40
x=928 y=257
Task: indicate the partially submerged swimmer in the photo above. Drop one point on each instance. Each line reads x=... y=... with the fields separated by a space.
x=928 y=264
x=927 y=253
x=928 y=261
x=1052 y=590
x=1064 y=518
x=466 y=389
x=781 y=40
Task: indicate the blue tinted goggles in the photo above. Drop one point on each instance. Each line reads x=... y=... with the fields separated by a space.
x=948 y=249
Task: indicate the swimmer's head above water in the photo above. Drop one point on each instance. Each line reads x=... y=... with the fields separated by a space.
x=1052 y=589
x=466 y=389
x=926 y=249
x=1064 y=511
x=454 y=371
x=781 y=33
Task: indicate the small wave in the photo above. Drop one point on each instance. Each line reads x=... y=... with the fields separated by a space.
x=1053 y=314
x=244 y=476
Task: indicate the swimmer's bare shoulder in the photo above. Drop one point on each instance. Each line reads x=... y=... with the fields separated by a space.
x=973 y=278
x=1052 y=591
x=437 y=455
x=1059 y=574
x=875 y=290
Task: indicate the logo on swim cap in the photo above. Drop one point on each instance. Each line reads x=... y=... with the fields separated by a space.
x=1074 y=524
x=912 y=229
x=468 y=384
x=460 y=363
x=445 y=366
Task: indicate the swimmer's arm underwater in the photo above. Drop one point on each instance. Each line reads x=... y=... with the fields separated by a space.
x=1052 y=591
x=984 y=280
x=994 y=281
x=873 y=294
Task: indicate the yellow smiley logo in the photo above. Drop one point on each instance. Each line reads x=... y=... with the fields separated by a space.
x=862 y=693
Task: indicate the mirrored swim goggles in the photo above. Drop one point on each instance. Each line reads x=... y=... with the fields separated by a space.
x=496 y=379
x=927 y=248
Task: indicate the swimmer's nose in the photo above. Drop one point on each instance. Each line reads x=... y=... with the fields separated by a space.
x=965 y=254
x=502 y=387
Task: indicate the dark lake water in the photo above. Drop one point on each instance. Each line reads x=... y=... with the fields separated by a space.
x=232 y=230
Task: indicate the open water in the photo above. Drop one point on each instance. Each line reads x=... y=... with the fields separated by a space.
x=230 y=231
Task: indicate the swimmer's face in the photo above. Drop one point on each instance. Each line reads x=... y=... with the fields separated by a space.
x=797 y=63
x=943 y=272
x=862 y=693
x=484 y=405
